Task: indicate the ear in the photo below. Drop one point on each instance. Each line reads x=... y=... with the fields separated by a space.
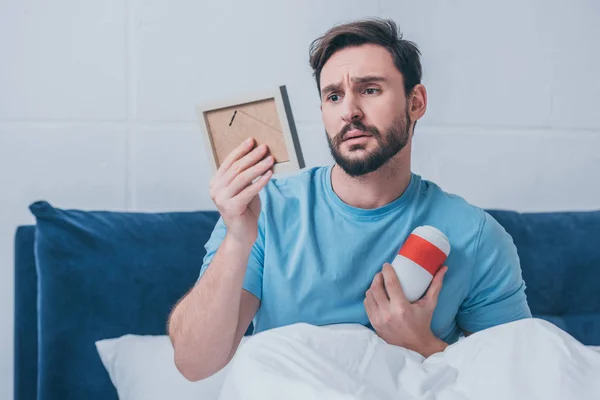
x=417 y=103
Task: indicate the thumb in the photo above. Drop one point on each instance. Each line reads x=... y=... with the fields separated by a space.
x=436 y=287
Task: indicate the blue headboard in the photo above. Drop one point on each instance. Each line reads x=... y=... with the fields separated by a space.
x=559 y=256
x=25 y=349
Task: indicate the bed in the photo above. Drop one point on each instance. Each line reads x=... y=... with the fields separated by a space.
x=86 y=276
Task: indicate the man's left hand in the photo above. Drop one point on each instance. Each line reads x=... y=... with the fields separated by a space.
x=399 y=322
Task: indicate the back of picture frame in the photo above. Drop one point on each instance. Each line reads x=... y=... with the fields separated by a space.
x=267 y=117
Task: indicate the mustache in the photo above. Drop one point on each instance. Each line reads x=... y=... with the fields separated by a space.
x=357 y=125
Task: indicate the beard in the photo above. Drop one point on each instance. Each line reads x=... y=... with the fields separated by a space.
x=390 y=144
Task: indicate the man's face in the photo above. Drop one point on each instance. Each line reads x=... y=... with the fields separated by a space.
x=364 y=108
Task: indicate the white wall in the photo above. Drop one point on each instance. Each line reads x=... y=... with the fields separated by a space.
x=96 y=101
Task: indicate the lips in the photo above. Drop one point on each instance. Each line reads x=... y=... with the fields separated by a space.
x=355 y=133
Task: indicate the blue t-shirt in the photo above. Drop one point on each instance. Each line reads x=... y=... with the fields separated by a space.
x=316 y=256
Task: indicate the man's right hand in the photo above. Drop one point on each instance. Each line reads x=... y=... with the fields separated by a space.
x=236 y=195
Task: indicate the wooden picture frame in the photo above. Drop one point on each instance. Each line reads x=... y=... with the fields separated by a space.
x=265 y=116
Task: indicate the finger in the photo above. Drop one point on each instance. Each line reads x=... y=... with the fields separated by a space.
x=235 y=155
x=250 y=192
x=436 y=287
x=378 y=291
x=242 y=164
x=392 y=285
x=370 y=306
x=370 y=301
x=246 y=178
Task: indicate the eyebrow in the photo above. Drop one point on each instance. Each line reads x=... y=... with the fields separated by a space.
x=361 y=79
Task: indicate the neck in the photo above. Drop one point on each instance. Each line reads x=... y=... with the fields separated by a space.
x=375 y=189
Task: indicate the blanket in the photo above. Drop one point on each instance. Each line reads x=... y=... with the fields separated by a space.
x=527 y=359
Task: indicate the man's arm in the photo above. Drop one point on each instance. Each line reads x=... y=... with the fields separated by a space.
x=207 y=325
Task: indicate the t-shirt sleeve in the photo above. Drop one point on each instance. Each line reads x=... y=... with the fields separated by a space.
x=254 y=270
x=497 y=290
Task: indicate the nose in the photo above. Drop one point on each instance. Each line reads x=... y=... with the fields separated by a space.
x=352 y=109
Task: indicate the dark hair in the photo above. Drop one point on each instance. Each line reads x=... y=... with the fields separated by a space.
x=377 y=31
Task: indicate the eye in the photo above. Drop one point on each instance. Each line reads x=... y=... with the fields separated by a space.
x=371 y=91
x=333 y=97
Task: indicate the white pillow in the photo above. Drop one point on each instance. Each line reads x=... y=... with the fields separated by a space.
x=142 y=368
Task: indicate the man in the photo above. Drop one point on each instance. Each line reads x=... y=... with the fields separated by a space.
x=315 y=247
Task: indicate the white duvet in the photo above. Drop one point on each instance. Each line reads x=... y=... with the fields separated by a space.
x=528 y=359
